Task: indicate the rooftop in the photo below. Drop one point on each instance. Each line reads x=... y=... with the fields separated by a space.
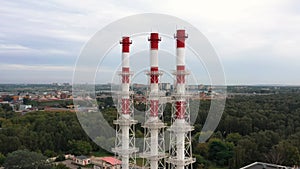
x=261 y=165
x=81 y=157
x=111 y=160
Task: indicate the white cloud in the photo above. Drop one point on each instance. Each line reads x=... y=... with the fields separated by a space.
x=237 y=28
x=12 y=47
x=20 y=49
x=66 y=35
x=20 y=67
x=55 y=51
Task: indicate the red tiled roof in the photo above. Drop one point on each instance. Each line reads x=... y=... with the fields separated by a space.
x=111 y=160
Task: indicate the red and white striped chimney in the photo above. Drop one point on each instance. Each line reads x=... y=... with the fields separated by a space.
x=180 y=61
x=125 y=75
x=125 y=100
x=181 y=155
x=154 y=74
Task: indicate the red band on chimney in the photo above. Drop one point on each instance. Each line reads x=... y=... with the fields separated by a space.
x=180 y=79
x=125 y=69
x=125 y=78
x=154 y=108
x=125 y=106
x=125 y=44
x=154 y=39
x=154 y=69
x=180 y=38
x=154 y=75
x=180 y=109
x=179 y=67
x=154 y=78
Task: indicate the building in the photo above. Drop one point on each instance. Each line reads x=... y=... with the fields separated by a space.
x=24 y=107
x=106 y=163
x=82 y=160
x=69 y=156
x=260 y=165
x=165 y=86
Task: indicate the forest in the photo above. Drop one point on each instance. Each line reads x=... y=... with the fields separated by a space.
x=253 y=128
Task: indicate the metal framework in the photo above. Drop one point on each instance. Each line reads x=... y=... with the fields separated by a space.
x=125 y=124
x=180 y=148
x=154 y=154
x=154 y=143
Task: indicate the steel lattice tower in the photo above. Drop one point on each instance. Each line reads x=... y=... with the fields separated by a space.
x=125 y=131
x=154 y=145
x=180 y=150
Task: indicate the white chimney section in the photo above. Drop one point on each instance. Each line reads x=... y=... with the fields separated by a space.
x=154 y=148
x=180 y=137
x=125 y=141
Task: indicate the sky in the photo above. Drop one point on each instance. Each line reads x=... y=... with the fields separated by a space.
x=257 y=41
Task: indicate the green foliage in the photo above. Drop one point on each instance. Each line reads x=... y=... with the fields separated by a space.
x=61 y=166
x=8 y=98
x=101 y=153
x=52 y=103
x=79 y=147
x=6 y=107
x=47 y=132
x=26 y=160
x=106 y=102
x=139 y=161
x=247 y=146
x=26 y=101
x=60 y=157
x=9 y=143
x=201 y=162
x=233 y=137
x=2 y=159
x=283 y=153
x=253 y=128
x=6 y=112
x=220 y=152
x=49 y=153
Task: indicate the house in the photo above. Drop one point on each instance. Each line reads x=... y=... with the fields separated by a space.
x=106 y=163
x=69 y=156
x=81 y=160
x=260 y=165
x=24 y=107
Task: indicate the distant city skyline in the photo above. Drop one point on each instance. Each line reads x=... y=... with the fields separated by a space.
x=256 y=41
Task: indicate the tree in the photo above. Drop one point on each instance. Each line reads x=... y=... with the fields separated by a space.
x=6 y=107
x=108 y=101
x=220 y=152
x=201 y=162
x=26 y=160
x=61 y=166
x=60 y=157
x=238 y=159
x=201 y=149
x=26 y=100
x=9 y=143
x=2 y=159
x=284 y=153
x=80 y=147
x=248 y=146
x=233 y=137
x=49 y=153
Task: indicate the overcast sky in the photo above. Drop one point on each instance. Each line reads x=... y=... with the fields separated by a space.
x=257 y=41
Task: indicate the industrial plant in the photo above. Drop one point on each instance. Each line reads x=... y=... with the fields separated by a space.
x=155 y=155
